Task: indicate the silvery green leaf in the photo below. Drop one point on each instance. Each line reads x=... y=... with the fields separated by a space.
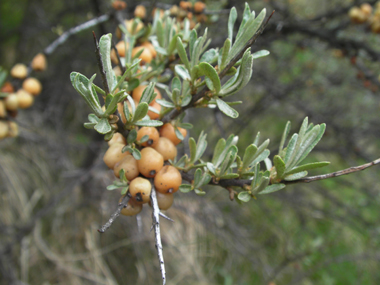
x=280 y=166
x=186 y=100
x=186 y=126
x=93 y=118
x=268 y=163
x=122 y=175
x=209 y=56
x=132 y=136
x=219 y=148
x=147 y=95
x=124 y=191
x=161 y=50
x=211 y=167
x=176 y=96
x=141 y=111
x=229 y=176
x=223 y=58
x=148 y=123
x=231 y=22
x=160 y=34
x=112 y=106
x=296 y=176
x=127 y=148
x=260 y=157
x=176 y=83
x=182 y=72
x=201 y=145
x=247 y=14
x=193 y=150
x=199 y=192
x=193 y=38
x=103 y=126
x=247 y=30
x=173 y=44
x=307 y=166
x=122 y=78
x=260 y=53
x=112 y=187
x=264 y=182
x=185 y=188
x=105 y=52
x=178 y=134
x=284 y=136
x=132 y=84
x=290 y=149
x=209 y=71
x=227 y=110
x=272 y=188
x=244 y=196
x=165 y=103
x=197 y=178
x=144 y=139
x=249 y=156
x=182 y=54
x=257 y=139
x=89 y=126
x=307 y=150
x=196 y=72
x=136 y=154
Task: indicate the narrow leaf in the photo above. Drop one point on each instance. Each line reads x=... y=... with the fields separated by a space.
x=272 y=188
x=226 y=109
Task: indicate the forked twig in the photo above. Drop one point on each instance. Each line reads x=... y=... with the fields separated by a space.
x=113 y=217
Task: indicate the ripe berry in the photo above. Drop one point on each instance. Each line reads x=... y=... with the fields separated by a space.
x=11 y=102
x=168 y=180
x=7 y=88
x=132 y=208
x=168 y=131
x=114 y=155
x=146 y=56
x=129 y=164
x=138 y=91
x=25 y=99
x=357 y=16
x=140 y=189
x=151 y=132
x=150 y=163
x=165 y=201
x=186 y=5
x=366 y=9
x=140 y=12
x=19 y=71
x=32 y=85
x=166 y=148
x=150 y=47
x=119 y=5
x=3 y=110
x=129 y=24
x=39 y=62
x=199 y=7
x=117 y=138
x=152 y=115
x=4 y=129
x=13 y=129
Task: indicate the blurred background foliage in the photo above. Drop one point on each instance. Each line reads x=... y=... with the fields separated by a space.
x=53 y=180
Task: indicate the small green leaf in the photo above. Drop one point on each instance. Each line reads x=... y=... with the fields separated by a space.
x=112 y=187
x=186 y=126
x=226 y=109
x=105 y=52
x=231 y=22
x=244 y=196
x=165 y=103
x=147 y=95
x=249 y=156
x=141 y=111
x=272 y=188
x=182 y=72
x=296 y=176
x=193 y=150
x=209 y=71
x=185 y=188
x=89 y=126
x=199 y=192
x=144 y=139
x=136 y=154
x=308 y=166
x=132 y=136
x=124 y=190
x=182 y=54
x=260 y=53
x=284 y=136
x=221 y=144
x=178 y=134
x=211 y=167
x=148 y=123
x=209 y=56
x=197 y=178
x=229 y=176
x=103 y=126
x=280 y=166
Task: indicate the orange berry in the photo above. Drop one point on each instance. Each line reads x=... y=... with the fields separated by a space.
x=139 y=90
x=119 y=5
x=168 y=131
x=150 y=163
x=25 y=99
x=150 y=47
x=186 y=5
x=129 y=164
x=140 y=12
x=166 y=148
x=140 y=189
x=32 y=85
x=39 y=62
x=129 y=24
x=19 y=71
x=132 y=208
x=152 y=115
x=7 y=88
x=117 y=138
x=146 y=56
x=164 y=201
x=114 y=155
x=151 y=132
x=199 y=7
x=168 y=180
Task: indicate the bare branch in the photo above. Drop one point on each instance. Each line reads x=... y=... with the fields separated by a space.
x=113 y=217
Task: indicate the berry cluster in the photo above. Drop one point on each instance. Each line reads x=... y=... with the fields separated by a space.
x=366 y=14
x=11 y=100
x=158 y=147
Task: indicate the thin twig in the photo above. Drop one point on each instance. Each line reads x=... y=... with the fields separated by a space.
x=113 y=217
x=156 y=226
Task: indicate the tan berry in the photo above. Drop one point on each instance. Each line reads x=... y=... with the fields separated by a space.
x=166 y=148
x=11 y=102
x=132 y=208
x=151 y=132
x=119 y=5
x=140 y=12
x=129 y=164
x=186 y=5
x=168 y=180
x=146 y=56
x=117 y=138
x=150 y=47
x=32 y=85
x=39 y=62
x=356 y=15
x=366 y=9
x=7 y=88
x=150 y=163
x=25 y=99
x=164 y=201
x=3 y=110
x=129 y=24
x=4 y=129
x=13 y=129
x=140 y=189
x=168 y=131
x=113 y=155
x=19 y=71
